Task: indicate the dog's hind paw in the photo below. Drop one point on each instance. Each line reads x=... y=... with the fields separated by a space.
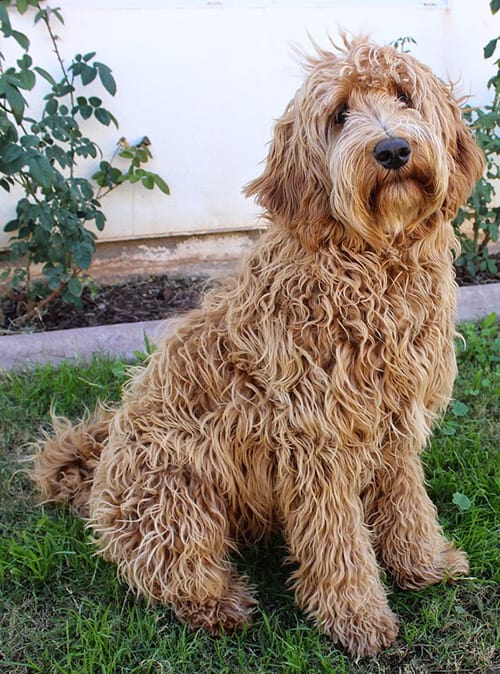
x=454 y=563
x=449 y=565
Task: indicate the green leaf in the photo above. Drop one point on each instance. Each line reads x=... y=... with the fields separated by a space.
x=25 y=62
x=100 y=178
x=12 y=168
x=77 y=67
x=15 y=100
x=22 y=6
x=61 y=89
x=85 y=111
x=85 y=187
x=159 y=182
x=449 y=429
x=56 y=153
x=489 y=321
x=107 y=79
x=11 y=226
x=5 y=183
x=11 y=152
x=462 y=501
x=103 y=116
x=148 y=182
x=5 y=24
x=21 y=39
x=46 y=75
x=75 y=286
x=29 y=140
x=100 y=220
x=494 y=6
x=55 y=11
x=459 y=409
x=28 y=79
x=41 y=170
x=92 y=150
x=88 y=74
x=51 y=106
x=46 y=219
x=83 y=257
x=142 y=155
x=39 y=16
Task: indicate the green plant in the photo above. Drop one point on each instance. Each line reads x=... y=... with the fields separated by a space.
x=402 y=44
x=43 y=156
x=479 y=212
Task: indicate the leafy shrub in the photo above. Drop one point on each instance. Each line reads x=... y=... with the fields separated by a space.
x=479 y=213
x=41 y=156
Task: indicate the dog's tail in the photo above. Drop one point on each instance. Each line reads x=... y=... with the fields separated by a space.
x=64 y=468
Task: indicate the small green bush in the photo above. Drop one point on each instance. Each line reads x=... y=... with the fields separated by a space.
x=42 y=157
x=479 y=211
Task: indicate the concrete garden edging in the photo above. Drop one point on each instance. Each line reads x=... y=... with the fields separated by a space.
x=123 y=339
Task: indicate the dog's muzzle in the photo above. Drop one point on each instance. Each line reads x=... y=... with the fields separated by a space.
x=392 y=153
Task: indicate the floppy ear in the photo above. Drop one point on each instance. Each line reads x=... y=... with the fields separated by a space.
x=468 y=166
x=295 y=186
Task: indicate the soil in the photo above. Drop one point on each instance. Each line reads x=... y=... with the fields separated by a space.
x=138 y=299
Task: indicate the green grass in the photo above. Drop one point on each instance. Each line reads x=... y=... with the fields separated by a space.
x=63 y=610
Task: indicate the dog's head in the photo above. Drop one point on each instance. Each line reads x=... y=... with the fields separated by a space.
x=372 y=147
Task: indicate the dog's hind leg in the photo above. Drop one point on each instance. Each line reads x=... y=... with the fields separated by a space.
x=63 y=469
x=337 y=582
x=166 y=527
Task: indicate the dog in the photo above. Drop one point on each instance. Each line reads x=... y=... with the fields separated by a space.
x=300 y=393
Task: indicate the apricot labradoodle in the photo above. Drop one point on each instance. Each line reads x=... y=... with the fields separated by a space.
x=300 y=394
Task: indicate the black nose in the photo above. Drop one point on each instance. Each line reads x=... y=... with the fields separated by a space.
x=392 y=153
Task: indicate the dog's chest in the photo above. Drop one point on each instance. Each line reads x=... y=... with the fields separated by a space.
x=384 y=343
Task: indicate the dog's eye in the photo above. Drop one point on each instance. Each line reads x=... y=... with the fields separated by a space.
x=341 y=115
x=405 y=100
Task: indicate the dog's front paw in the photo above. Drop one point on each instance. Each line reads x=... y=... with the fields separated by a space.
x=365 y=635
x=448 y=565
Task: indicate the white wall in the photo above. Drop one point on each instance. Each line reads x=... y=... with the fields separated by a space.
x=204 y=81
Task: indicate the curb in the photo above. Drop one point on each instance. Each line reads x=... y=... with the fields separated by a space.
x=123 y=339
x=475 y=302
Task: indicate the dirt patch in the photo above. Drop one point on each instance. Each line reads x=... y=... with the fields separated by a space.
x=142 y=299
x=139 y=299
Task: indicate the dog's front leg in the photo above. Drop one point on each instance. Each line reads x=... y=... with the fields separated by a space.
x=337 y=581
x=409 y=538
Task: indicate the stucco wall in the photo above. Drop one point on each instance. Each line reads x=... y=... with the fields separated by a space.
x=204 y=82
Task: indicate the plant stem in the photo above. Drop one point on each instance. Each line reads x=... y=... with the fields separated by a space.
x=66 y=79
x=38 y=308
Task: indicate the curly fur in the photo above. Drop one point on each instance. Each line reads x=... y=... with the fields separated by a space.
x=301 y=393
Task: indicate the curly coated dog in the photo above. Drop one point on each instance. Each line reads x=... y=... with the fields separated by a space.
x=300 y=394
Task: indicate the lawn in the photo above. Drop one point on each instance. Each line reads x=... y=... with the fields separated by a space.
x=62 y=609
